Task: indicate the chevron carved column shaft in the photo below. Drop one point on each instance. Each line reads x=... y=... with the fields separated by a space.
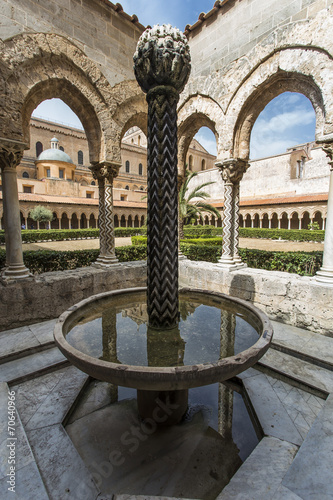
x=104 y=173
x=162 y=233
x=162 y=67
x=232 y=171
x=110 y=251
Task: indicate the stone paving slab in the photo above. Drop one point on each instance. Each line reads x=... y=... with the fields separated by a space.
x=262 y=473
x=28 y=482
x=272 y=415
x=310 y=475
x=26 y=367
x=48 y=408
x=64 y=474
x=303 y=341
x=23 y=340
x=302 y=371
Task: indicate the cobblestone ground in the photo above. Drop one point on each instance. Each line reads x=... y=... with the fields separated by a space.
x=262 y=244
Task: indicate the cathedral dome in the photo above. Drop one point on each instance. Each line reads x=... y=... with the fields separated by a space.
x=54 y=155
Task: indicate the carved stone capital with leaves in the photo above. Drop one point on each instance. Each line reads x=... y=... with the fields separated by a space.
x=328 y=149
x=232 y=170
x=11 y=154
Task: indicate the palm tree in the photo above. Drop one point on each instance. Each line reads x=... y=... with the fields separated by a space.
x=195 y=209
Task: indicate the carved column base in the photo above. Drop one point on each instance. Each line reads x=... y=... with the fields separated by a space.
x=226 y=262
x=15 y=272
x=181 y=256
x=105 y=261
x=325 y=275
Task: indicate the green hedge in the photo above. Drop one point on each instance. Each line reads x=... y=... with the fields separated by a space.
x=42 y=261
x=31 y=236
x=302 y=263
x=283 y=234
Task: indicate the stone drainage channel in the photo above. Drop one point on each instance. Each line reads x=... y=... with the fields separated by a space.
x=289 y=391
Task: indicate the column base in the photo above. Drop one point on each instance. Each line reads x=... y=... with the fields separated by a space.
x=104 y=261
x=14 y=272
x=162 y=407
x=325 y=275
x=181 y=256
x=227 y=263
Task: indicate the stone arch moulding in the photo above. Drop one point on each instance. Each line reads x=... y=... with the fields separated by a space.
x=196 y=112
x=298 y=69
x=41 y=66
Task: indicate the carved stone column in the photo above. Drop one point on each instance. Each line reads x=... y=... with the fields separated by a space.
x=325 y=275
x=162 y=67
x=11 y=154
x=232 y=171
x=104 y=173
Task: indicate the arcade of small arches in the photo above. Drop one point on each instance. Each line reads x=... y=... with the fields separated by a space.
x=294 y=69
x=79 y=219
x=291 y=219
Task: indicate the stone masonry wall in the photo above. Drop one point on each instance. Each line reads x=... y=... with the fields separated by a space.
x=271 y=177
x=50 y=294
x=285 y=297
x=103 y=34
x=241 y=25
x=296 y=300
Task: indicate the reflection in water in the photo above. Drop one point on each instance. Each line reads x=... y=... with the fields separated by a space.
x=208 y=330
x=226 y=397
x=165 y=348
x=109 y=339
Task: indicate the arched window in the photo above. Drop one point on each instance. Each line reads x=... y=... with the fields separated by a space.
x=190 y=162
x=39 y=148
x=61 y=148
x=140 y=169
x=127 y=167
x=203 y=165
x=80 y=158
x=25 y=175
x=127 y=187
x=93 y=183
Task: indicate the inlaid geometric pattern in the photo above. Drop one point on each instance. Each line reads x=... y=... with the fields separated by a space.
x=227 y=220
x=162 y=244
x=109 y=229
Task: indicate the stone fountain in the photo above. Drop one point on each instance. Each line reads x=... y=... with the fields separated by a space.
x=162 y=67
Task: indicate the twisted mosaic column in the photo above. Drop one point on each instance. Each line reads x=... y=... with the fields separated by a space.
x=232 y=171
x=105 y=173
x=162 y=66
x=10 y=156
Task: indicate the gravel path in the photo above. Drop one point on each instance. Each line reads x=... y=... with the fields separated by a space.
x=262 y=244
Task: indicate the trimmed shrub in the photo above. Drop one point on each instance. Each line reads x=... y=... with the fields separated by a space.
x=283 y=234
x=34 y=235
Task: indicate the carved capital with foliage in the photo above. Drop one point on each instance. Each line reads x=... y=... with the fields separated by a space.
x=233 y=169
x=162 y=58
x=105 y=170
x=11 y=154
x=328 y=149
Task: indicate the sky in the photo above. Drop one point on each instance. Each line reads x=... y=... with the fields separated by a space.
x=287 y=120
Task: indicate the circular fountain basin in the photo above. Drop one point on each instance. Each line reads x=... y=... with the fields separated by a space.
x=88 y=334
